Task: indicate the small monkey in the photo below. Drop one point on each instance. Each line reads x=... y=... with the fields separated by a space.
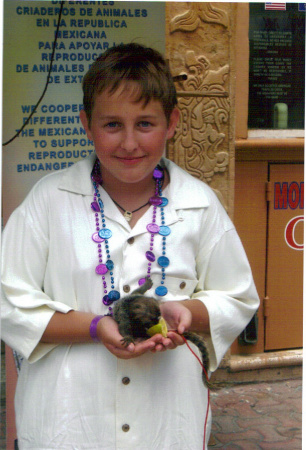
x=136 y=313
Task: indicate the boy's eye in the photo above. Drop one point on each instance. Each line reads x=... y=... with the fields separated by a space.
x=144 y=124
x=112 y=125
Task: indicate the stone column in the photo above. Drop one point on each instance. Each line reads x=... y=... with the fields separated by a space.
x=199 y=47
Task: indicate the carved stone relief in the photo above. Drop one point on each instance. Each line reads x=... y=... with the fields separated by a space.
x=198 y=48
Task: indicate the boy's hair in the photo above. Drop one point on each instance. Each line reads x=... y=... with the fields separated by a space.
x=130 y=62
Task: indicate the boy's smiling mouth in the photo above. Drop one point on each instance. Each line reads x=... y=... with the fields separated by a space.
x=130 y=158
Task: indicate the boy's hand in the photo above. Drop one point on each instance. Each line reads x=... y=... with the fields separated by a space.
x=177 y=316
x=179 y=319
x=108 y=334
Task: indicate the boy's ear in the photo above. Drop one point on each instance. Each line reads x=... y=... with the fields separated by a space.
x=85 y=123
x=173 y=120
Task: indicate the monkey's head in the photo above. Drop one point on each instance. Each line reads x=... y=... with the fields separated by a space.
x=144 y=313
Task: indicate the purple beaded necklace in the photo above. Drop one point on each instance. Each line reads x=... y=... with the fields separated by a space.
x=102 y=235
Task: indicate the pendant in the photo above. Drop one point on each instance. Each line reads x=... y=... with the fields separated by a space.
x=164 y=230
x=107 y=301
x=101 y=269
x=95 y=206
x=114 y=295
x=109 y=264
x=164 y=202
x=161 y=291
x=127 y=215
x=105 y=233
x=155 y=201
x=158 y=173
x=163 y=261
x=150 y=256
x=153 y=228
x=97 y=238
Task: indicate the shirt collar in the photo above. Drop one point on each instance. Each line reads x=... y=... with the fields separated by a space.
x=77 y=178
x=184 y=190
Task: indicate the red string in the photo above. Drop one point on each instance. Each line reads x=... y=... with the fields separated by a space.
x=208 y=393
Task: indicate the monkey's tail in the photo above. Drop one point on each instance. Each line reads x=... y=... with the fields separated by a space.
x=200 y=343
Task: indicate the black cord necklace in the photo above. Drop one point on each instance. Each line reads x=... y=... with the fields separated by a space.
x=128 y=214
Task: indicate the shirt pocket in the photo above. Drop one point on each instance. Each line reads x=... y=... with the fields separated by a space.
x=178 y=288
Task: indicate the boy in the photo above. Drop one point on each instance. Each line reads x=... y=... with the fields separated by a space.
x=91 y=234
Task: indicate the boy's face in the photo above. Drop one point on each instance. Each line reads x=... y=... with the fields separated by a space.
x=129 y=137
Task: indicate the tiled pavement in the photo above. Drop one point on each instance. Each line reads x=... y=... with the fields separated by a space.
x=258 y=416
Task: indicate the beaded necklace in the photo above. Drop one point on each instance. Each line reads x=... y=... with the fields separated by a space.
x=103 y=234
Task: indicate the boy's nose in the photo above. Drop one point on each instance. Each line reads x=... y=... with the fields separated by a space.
x=129 y=141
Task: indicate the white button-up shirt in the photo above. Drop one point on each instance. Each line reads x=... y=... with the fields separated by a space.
x=81 y=396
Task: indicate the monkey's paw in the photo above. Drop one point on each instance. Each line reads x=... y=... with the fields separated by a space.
x=127 y=340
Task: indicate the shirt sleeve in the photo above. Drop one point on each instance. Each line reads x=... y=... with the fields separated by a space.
x=25 y=308
x=227 y=289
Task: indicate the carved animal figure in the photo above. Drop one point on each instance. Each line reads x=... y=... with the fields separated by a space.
x=136 y=313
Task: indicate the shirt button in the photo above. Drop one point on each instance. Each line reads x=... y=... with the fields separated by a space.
x=126 y=380
x=125 y=427
x=183 y=285
x=131 y=240
x=126 y=288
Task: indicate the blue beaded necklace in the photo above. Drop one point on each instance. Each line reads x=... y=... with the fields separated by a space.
x=103 y=234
